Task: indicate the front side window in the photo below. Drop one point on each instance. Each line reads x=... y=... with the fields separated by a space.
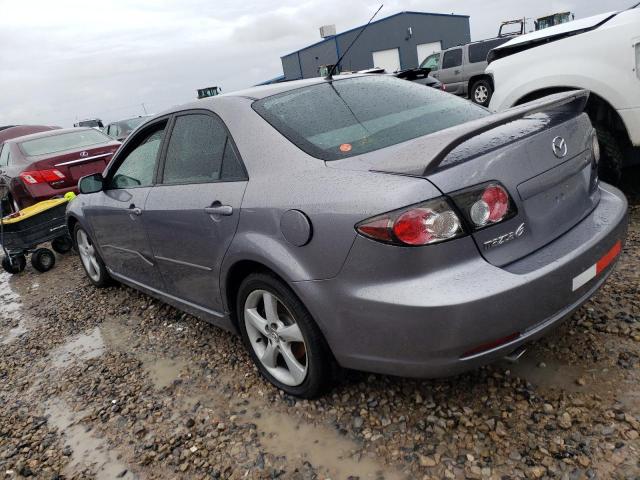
x=452 y=58
x=357 y=115
x=431 y=62
x=4 y=155
x=138 y=167
x=62 y=142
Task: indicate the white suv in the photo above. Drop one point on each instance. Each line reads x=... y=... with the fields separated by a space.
x=600 y=54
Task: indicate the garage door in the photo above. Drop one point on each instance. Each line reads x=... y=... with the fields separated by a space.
x=387 y=59
x=426 y=49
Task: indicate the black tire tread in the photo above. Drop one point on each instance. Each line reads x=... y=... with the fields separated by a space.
x=612 y=158
x=37 y=259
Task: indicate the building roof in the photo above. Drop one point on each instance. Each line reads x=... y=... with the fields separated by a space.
x=373 y=23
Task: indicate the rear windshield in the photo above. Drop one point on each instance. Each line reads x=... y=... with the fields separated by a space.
x=62 y=142
x=348 y=117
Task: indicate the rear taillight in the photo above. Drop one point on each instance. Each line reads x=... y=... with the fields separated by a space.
x=485 y=205
x=42 y=176
x=437 y=220
x=423 y=224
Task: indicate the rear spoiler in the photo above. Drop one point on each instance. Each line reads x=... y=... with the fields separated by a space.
x=448 y=140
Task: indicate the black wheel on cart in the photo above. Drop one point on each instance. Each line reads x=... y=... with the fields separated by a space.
x=62 y=245
x=16 y=265
x=43 y=259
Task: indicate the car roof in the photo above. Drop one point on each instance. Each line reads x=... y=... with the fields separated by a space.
x=259 y=92
x=49 y=133
x=563 y=28
x=21 y=130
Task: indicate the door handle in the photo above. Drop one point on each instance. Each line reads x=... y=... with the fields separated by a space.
x=217 y=208
x=135 y=210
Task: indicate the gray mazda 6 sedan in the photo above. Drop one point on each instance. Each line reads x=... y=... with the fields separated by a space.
x=361 y=220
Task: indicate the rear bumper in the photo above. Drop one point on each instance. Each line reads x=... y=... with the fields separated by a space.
x=37 y=193
x=423 y=326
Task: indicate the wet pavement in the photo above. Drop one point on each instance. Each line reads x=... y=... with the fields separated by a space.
x=113 y=384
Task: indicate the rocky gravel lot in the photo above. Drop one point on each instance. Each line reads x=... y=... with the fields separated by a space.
x=113 y=384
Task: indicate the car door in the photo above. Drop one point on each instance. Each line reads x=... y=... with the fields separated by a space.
x=451 y=73
x=192 y=213
x=117 y=219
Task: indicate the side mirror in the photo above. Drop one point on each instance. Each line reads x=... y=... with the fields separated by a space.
x=91 y=183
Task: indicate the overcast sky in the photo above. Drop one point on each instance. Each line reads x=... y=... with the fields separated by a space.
x=61 y=59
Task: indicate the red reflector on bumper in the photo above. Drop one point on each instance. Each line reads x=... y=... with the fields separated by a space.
x=594 y=270
x=608 y=257
x=490 y=345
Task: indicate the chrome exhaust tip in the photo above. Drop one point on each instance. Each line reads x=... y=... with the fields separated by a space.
x=514 y=356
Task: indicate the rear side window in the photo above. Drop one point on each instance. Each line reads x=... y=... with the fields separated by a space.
x=347 y=117
x=195 y=150
x=478 y=52
x=452 y=58
x=62 y=142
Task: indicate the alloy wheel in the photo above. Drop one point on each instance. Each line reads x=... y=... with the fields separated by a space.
x=276 y=337
x=481 y=94
x=88 y=255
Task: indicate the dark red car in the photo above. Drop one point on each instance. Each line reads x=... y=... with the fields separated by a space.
x=46 y=164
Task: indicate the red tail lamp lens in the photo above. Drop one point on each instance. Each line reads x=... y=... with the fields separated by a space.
x=492 y=206
x=431 y=222
x=42 y=176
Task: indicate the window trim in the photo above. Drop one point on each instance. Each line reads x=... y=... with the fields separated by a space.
x=198 y=111
x=126 y=148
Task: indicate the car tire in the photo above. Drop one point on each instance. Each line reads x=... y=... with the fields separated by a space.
x=62 y=245
x=18 y=264
x=481 y=92
x=295 y=360
x=43 y=260
x=611 y=160
x=90 y=258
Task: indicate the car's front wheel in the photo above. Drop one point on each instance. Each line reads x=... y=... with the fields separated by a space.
x=282 y=339
x=91 y=261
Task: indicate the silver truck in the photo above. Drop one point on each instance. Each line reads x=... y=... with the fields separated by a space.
x=461 y=69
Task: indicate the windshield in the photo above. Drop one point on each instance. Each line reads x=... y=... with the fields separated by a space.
x=431 y=62
x=62 y=142
x=90 y=123
x=343 y=118
x=129 y=125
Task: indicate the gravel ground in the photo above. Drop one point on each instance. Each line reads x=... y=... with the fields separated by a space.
x=113 y=384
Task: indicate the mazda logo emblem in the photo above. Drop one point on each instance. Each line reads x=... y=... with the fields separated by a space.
x=84 y=154
x=559 y=146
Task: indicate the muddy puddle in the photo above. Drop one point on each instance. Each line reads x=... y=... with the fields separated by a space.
x=12 y=323
x=285 y=435
x=87 y=451
x=321 y=446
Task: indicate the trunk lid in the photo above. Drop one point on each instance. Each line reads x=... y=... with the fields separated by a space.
x=552 y=193
x=77 y=163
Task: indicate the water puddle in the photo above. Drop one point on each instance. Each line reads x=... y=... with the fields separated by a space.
x=10 y=311
x=81 y=347
x=87 y=451
x=324 y=448
x=162 y=371
x=546 y=372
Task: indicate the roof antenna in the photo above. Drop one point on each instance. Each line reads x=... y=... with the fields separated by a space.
x=333 y=69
